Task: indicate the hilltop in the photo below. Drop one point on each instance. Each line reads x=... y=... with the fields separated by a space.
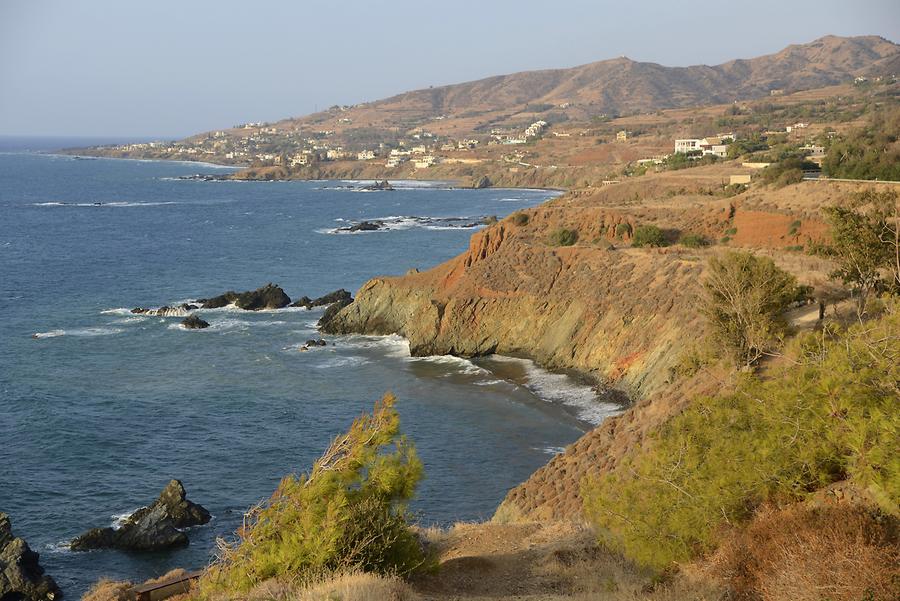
x=459 y=130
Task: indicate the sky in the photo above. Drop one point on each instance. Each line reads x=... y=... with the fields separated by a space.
x=167 y=69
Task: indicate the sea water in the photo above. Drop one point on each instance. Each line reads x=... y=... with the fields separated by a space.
x=100 y=408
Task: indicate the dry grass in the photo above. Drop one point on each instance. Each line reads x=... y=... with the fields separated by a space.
x=542 y=562
x=355 y=586
x=838 y=553
x=107 y=589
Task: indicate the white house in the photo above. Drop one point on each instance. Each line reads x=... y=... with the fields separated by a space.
x=425 y=162
x=687 y=145
x=366 y=155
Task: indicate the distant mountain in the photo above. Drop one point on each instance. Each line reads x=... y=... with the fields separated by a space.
x=622 y=86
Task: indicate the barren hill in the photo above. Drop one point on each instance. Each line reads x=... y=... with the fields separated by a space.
x=619 y=86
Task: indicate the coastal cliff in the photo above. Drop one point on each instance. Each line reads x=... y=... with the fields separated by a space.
x=623 y=316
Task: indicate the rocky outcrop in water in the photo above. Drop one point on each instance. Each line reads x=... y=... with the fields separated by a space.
x=21 y=576
x=383 y=185
x=152 y=528
x=269 y=296
x=167 y=311
x=363 y=226
x=327 y=299
x=194 y=322
x=217 y=302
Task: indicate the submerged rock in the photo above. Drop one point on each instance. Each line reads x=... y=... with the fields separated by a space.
x=167 y=311
x=327 y=299
x=152 y=528
x=194 y=322
x=21 y=576
x=269 y=296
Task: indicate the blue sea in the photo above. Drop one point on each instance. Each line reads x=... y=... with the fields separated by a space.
x=99 y=408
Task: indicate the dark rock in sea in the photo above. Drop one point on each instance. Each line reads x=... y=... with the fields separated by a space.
x=363 y=226
x=194 y=322
x=152 y=528
x=21 y=576
x=204 y=177
x=483 y=182
x=217 y=302
x=166 y=311
x=383 y=185
x=330 y=313
x=313 y=342
x=269 y=296
x=303 y=301
x=327 y=299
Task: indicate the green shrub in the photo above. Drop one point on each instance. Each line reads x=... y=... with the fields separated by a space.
x=520 y=219
x=648 y=235
x=563 y=237
x=348 y=513
x=787 y=171
x=622 y=230
x=829 y=416
x=866 y=243
x=694 y=241
x=870 y=152
x=725 y=239
x=731 y=231
x=744 y=299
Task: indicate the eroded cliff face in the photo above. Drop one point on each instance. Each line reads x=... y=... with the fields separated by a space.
x=622 y=315
x=614 y=314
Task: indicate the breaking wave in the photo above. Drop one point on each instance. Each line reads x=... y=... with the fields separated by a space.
x=404 y=222
x=86 y=332
x=565 y=390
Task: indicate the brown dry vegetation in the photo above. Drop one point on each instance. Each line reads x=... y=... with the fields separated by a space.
x=840 y=553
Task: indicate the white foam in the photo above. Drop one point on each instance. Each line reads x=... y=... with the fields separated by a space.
x=565 y=390
x=393 y=345
x=459 y=363
x=550 y=450
x=124 y=311
x=99 y=204
x=62 y=546
x=86 y=332
x=128 y=320
x=348 y=361
x=118 y=519
x=406 y=222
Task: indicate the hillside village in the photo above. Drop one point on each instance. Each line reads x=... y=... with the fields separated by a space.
x=569 y=136
x=542 y=151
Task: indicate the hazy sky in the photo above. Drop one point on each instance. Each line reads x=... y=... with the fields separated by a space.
x=171 y=68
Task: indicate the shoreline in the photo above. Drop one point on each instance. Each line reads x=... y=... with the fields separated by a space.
x=458 y=183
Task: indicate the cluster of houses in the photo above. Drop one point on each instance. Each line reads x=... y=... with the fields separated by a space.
x=711 y=146
x=502 y=136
